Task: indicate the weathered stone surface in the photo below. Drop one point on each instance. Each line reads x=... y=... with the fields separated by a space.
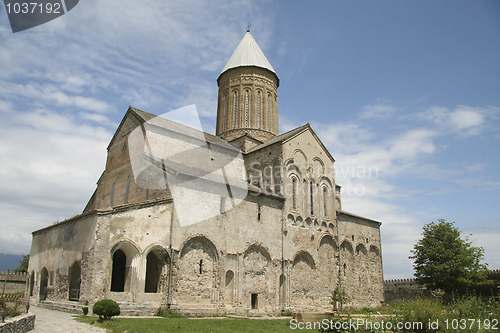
x=19 y=324
x=287 y=245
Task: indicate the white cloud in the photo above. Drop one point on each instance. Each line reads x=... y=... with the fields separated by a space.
x=5 y=106
x=464 y=120
x=479 y=184
x=475 y=167
x=48 y=171
x=488 y=240
x=379 y=110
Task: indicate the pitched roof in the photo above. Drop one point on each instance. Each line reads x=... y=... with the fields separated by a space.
x=248 y=53
x=280 y=138
x=357 y=216
x=290 y=134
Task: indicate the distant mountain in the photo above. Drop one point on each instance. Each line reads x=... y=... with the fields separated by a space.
x=9 y=261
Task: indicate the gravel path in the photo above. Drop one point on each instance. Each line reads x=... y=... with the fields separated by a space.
x=51 y=321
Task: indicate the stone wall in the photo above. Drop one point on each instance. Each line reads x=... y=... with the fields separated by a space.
x=19 y=324
x=408 y=289
x=404 y=290
x=12 y=282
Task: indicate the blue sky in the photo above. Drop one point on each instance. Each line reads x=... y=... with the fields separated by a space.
x=407 y=88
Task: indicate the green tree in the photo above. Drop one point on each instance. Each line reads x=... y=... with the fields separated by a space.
x=23 y=267
x=443 y=260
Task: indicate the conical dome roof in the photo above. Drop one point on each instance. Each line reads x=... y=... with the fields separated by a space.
x=248 y=53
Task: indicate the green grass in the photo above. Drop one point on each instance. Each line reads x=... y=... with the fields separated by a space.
x=153 y=325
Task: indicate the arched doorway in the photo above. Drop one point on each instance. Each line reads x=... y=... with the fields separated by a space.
x=155 y=263
x=44 y=280
x=118 y=272
x=74 y=281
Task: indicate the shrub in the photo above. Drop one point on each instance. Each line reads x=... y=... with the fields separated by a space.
x=85 y=310
x=106 y=309
x=167 y=313
x=421 y=311
x=339 y=297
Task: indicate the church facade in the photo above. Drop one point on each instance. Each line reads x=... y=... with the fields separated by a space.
x=286 y=244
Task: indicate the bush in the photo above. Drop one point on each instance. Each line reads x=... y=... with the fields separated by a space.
x=106 y=309
x=85 y=310
x=421 y=311
x=167 y=313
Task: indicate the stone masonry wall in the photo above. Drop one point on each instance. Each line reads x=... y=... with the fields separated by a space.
x=19 y=324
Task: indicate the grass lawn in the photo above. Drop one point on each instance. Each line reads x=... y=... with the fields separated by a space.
x=153 y=325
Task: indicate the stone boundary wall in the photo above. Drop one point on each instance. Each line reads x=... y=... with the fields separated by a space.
x=19 y=324
x=13 y=282
x=407 y=289
x=13 y=276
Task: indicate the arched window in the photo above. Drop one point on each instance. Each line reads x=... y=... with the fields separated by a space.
x=246 y=108
x=225 y=112
x=258 y=110
x=294 y=193
x=325 y=195
x=112 y=195
x=234 y=109
x=229 y=287
x=269 y=111
x=127 y=190
x=311 y=190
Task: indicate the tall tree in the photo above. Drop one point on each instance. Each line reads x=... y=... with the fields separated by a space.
x=23 y=264
x=443 y=260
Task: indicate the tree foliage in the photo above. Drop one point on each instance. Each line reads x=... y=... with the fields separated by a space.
x=23 y=264
x=443 y=260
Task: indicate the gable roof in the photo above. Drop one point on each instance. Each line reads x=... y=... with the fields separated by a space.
x=284 y=137
x=248 y=53
x=143 y=117
x=343 y=212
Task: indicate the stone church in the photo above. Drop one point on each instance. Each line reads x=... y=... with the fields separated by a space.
x=285 y=244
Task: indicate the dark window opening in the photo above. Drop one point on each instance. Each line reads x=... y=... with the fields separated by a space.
x=201 y=266
x=352 y=237
x=254 y=301
x=312 y=197
x=294 y=194
x=118 y=273
x=345 y=268
x=324 y=201
x=259 y=208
